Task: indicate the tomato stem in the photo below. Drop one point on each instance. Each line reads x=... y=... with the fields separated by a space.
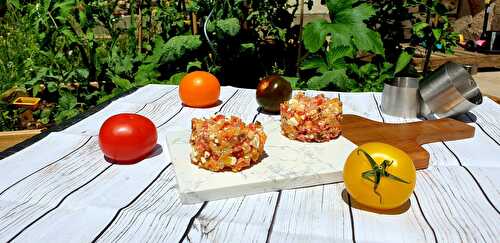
x=377 y=172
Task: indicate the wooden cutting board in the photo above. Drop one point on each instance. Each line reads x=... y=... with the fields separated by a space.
x=408 y=137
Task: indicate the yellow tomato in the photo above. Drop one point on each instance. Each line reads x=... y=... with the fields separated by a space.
x=397 y=176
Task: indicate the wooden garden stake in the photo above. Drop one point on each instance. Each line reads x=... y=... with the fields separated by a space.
x=428 y=51
x=139 y=26
x=301 y=26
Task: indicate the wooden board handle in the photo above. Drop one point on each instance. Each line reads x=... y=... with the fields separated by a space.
x=406 y=136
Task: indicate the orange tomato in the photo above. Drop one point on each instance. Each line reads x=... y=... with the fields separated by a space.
x=199 y=89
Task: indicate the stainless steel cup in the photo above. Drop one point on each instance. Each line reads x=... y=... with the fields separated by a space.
x=400 y=97
x=449 y=91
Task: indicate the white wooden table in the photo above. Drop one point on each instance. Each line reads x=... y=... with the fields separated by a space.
x=60 y=189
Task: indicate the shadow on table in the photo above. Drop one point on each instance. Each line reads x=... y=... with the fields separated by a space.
x=219 y=102
x=157 y=150
x=399 y=210
x=467 y=117
x=266 y=112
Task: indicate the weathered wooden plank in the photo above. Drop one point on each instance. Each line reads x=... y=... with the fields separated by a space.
x=167 y=101
x=441 y=209
x=149 y=210
x=11 y=138
x=90 y=125
x=480 y=61
x=410 y=221
x=244 y=219
x=489 y=182
x=487 y=117
x=394 y=226
x=157 y=215
x=486 y=151
x=228 y=220
x=361 y=104
x=455 y=206
x=37 y=156
x=120 y=174
x=303 y=214
x=99 y=201
x=315 y=214
x=148 y=94
x=25 y=202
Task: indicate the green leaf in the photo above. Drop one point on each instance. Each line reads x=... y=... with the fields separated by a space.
x=70 y=36
x=338 y=52
x=314 y=35
x=313 y=63
x=175 y=48
x=122 y=83
x=337 y=77
x=248 y=48
x=368 y=40
x=355 y=15
x=176 y=78
x=194 y=64
x=317 y=83
x=293 y=81
x=65 y=115
x=418 y=29
x=84 y=73
x=403 y=60
x=229 y=26
x=82 y=17
x=437 y=33
x=338 y=5
x=52 y=87
x=67 y=101
x=147 y=74
x=368 y=70
x=35 y=90
x=341 y=34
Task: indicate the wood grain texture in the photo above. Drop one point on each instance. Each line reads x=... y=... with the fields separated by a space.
x=20 y=165
x=489 y=182
x=157 y=216
x=412 y=221
x=408 y=137
x=175 y=219
x=487 y=116
x=454 y=205
x=11 y=138
x=456 y=199
x=36 y=195
x=249 y=216
x=314 y=214
x=442 y=210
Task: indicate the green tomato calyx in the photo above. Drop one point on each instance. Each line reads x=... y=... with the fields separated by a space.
x=377 y=172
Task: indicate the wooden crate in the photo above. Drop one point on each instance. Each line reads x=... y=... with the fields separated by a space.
x=461 y=56
x=9 y=139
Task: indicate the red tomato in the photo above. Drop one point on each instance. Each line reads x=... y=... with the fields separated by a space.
x=127 y=138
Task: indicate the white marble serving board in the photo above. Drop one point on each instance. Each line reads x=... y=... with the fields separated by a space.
x=286 y=164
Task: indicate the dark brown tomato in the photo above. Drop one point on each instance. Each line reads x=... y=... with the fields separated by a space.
x=272 y=91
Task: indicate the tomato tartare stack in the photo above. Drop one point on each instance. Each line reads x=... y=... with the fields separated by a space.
x=311 y=119
x=222 y=143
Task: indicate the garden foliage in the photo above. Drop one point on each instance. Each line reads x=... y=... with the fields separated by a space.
x=76 y=54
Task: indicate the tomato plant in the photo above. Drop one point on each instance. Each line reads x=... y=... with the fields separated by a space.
x=379 y=176
x=199 y=89
x=127 y=138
